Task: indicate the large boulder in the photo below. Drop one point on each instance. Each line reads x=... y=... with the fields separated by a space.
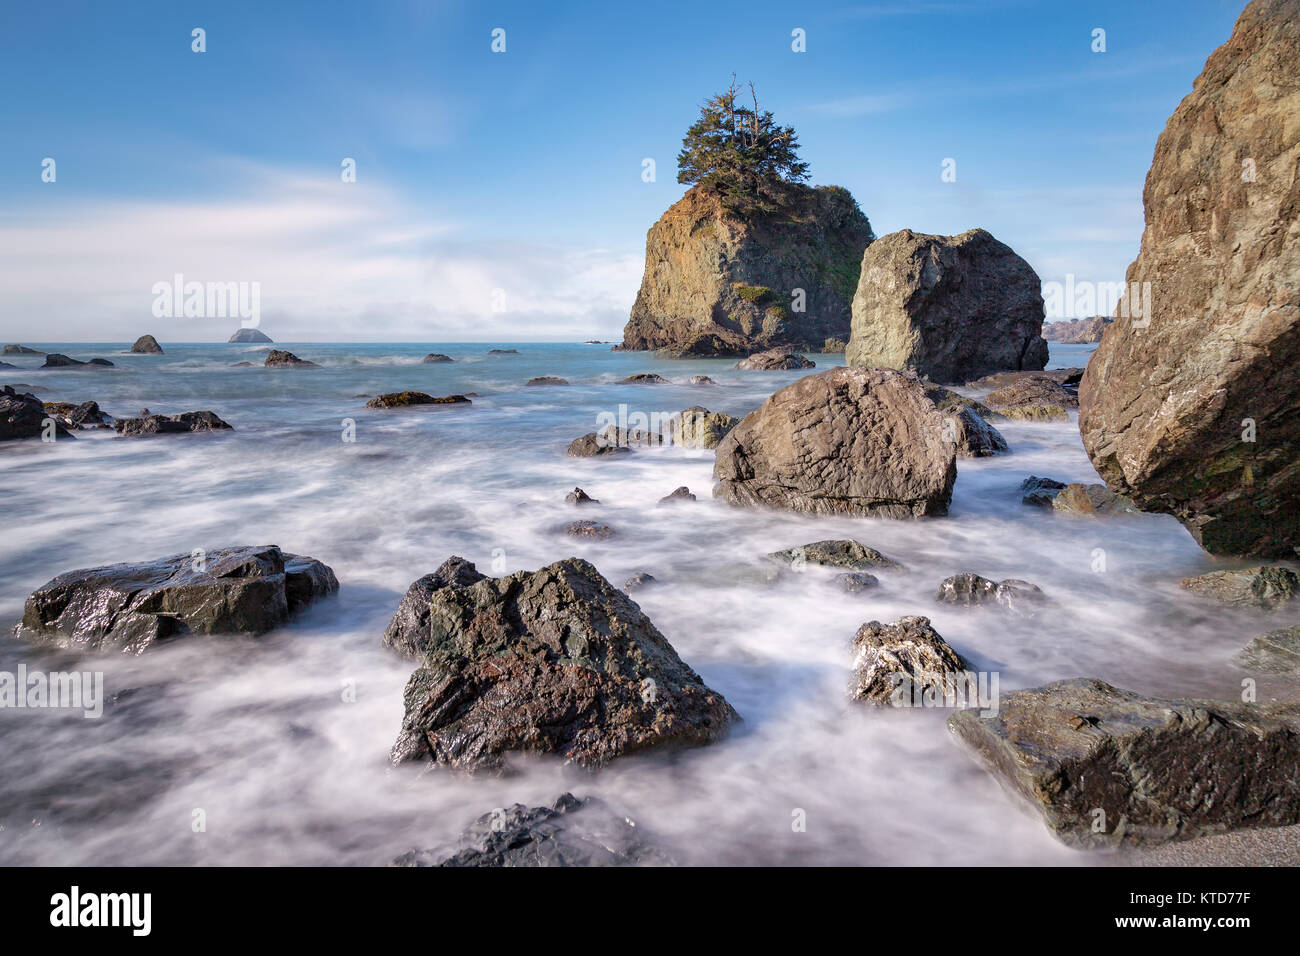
x=131 y=607
x=1108 y=767
x=851 y=441
x=147 y=345
x=1194 y=408
x=555 y=661
x=720 y=283
x=951 y=308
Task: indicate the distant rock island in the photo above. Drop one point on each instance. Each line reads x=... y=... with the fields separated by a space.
x=147 y=345
x=250 y=335
x=1076 y=331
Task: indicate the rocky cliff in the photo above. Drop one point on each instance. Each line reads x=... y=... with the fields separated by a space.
x=717 y=283
x=1076 y=331
x=1194 y=410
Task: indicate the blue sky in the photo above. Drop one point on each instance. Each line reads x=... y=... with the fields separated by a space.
x=521 y=170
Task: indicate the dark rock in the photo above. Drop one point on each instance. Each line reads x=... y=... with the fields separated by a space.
x=407 y=399
x=149 y=424
x=435 y=357
x=678 y=495
x=972 y=436
x=408 y=631
x=774 y=360
x=1179 y=387
x=21 y=350
x=130 y=607
x=1090 y=501
x=592 y=444
x=1157 y=770
x=503 y=351
x=1277 y=652
x=579 y=497
x=589 y=529
x=641 y=579
x=547 y=380
x=950 y=308
x=59 y=360
x=249 y=335
x=969 y=589
x=1040 y=492
x=22 y=415
x=85 y=415
x=571 y=833
x=855 y=582
x=834 y=553
x=1267 y=586
x=644 y=378
x=555 y=661
x=147 y=345
x=895 y=661
x=278 y=358
x=851 y=441
x=1061 y=376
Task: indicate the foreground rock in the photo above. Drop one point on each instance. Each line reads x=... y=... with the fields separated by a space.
x=718 y=283
x=1076 y=331
x=970 y=590
x=847 y=441
x=22 y=415
x=1157 y=770
x=407 y=399
x=249 y=335
x=278 y=358
x=59 y=360
x=202 y=421
x=1090 y=501
x=555 y=661
x=950 y=308
x=131 y=607
x=775 y=360
x=147 y=345
x=896 y=663
x=1032 y=398
x=572 y=832
x=1277 y=652
x=1267 y=587
x=834 y=553
x=1194 y=408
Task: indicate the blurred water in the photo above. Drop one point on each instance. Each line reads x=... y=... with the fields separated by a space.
x=256 y=733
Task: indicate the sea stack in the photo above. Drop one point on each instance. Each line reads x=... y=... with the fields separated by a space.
x=1191 y=403
x=147 y=345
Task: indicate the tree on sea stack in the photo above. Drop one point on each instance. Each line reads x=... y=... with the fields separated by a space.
x=740 y=152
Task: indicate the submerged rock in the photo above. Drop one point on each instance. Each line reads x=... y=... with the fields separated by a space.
x=702 y=380
x=59 y=360
x=147 y=345
x=1277 y=652
x=579 y=497
x=642 y=579
x=1040 y=492
x=850 y=441
x=895 y=661
x=677 y=496
x=969 y=589
x=249 y=335
x=555 y=661
x=592 y=444
x=1108 y=767
x=1061 y=376
x=407 y=399
x=547 y=380
x=1090 y=501
x=855 y=582
x=150 y=424
x=589 y=529
x=279 y=358
x=834 y=553
x=435 y=357
x=131 y=607
x=1191 y=403
x=572 y=832
x=1266 y=586
x=644 y=378
x=503 y=351
x=775 y=360
x=950 y=308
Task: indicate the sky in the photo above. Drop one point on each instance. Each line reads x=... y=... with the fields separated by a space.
x=500 y=195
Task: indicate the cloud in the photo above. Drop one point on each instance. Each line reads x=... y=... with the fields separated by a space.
x=334 y=261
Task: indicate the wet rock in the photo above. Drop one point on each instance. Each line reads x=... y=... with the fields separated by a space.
x=131 y=607
x=855 y=582
x=408 y=631
x=631 y=437
x=592 y=444
x=435 y=357
x=972 y=435
x=572 y=832
x=59 y=360
x=834 y=553
x=676 y=497
x=1267 y=586
x=579 y=497
x=1191 y=403
x=407 y=399
x=1066 y=377
x=22 y=415
x=853 y=441
x=1040 y=492
x=702 y=380
x=894 y=661
x=85 y=415
x=969 y=589
x=249 y=335
x=279 y=358
x=950 y=308
x=547 y=380
x=1091 y=501
x=1277 y=652
x=1157 y=770
x=1032 y=398
x=774 y=360
x=21 y=350
x=946 y=400
x=644 y=378
x=149 y=424
x=554 y=661
x=640 y=580
x=697 y=427
x=503 y=351
x=147 y=345
x=589 y=529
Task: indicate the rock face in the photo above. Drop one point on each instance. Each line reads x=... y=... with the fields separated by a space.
x=203 y=421
x=130 y=607
x=572 y=832
x=147 y=345
x=555 y=661
x=22 y=415
x=717 y=284
x=1158 y=770
x=850 y=441
x=249 y=335
x=775 y=360
x=1265 y=587
x=1165 y=401
x=950 y=308
x=278 y=358
x=893 y=660
x=677 y=496
x=406 y=399
x=1076 y=331
x=408 y=631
